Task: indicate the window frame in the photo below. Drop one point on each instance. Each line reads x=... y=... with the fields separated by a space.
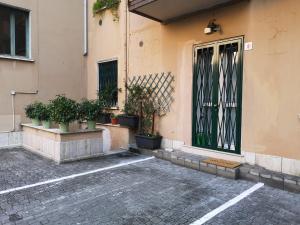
x=116 y=107
x=12 y=55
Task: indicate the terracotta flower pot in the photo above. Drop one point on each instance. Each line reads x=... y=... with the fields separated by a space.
x=114 y=121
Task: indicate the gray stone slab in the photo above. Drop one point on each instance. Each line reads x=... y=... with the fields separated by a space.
x=193 y=164
x=228 y=173
x=208 y=168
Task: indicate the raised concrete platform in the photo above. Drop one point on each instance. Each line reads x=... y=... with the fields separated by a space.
x=63 y=147
x=115 y=136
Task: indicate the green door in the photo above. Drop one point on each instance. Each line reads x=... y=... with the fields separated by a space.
x=217 y=95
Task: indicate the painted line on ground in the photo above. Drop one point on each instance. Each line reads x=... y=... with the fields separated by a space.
x=228 y=204
x=73 y=176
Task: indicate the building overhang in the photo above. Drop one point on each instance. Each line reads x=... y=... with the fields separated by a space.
x=166 y=11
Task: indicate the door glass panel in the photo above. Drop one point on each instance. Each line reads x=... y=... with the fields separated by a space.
x=204 y=96
x=227 y=96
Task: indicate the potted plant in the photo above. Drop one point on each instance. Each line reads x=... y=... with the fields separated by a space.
x=114 y=119
x=130 y=117
x=107 y=98
x=63 y=111
x=44 y=116
x=147 y=138
x=90 y=110
x=32 y=111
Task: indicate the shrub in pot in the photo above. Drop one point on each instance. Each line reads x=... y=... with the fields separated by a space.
x=107 y=97
x=33 y=111
x=44 y=116
x=130 y=117
x=90 y=110
x=114 y=119
x=147 y=138
x=63 y=111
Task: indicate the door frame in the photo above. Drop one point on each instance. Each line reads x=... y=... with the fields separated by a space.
x=240 y=40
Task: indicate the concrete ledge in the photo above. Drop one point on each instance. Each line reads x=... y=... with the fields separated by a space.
x=63 y=147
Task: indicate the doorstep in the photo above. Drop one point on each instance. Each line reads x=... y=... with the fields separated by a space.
x=191 y=161
x=245 y=171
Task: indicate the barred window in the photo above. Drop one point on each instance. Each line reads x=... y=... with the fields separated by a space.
x=108 y=82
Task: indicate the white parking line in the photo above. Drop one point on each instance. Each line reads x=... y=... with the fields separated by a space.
x=228 y=204
x=73 y=176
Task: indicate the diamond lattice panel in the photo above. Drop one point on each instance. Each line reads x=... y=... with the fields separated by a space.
x=162 y=86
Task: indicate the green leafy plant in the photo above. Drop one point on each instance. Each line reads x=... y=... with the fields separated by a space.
x=141 y=103
x=100 y=5
x=63 y=109
x=90 y=110
x=148 y=117
x=108 y=95
x=136 y=95
x=44 y=113
x=114 y=116
x=34 y=110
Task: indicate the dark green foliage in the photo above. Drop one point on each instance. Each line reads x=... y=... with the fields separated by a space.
x=101 y=4
x=148 y=111
x=63 y=109
x=90 y=110
x=44 y=114
x=141 y=103
x=136 y=95
x=107 y=95
x=29 y=111
x=34 y=110
x=113 y=116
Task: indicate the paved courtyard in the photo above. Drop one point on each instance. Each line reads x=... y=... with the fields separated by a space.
x=130 y=189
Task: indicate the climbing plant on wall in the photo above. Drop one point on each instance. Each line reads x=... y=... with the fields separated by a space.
x=100 y=6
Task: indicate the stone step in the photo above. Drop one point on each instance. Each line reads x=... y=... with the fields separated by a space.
x=245 y=171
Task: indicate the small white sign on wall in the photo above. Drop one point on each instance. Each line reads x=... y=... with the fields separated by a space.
x=248 y=46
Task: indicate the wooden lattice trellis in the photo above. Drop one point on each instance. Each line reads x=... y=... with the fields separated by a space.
x=162 y=86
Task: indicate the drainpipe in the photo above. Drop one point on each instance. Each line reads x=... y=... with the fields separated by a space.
x=13 y=95
x=126 y=46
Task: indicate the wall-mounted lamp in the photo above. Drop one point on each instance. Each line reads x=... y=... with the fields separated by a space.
x=212 y=27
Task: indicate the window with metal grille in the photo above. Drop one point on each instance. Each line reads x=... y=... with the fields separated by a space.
x=108 y=82
x=14 y=32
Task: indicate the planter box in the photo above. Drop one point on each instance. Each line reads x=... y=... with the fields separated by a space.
x=148 y=142
x=129 y=121
x=63 y=147
x=115 y=137
x=104 y=118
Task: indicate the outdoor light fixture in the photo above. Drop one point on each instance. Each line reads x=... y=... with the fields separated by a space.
x=212 y=27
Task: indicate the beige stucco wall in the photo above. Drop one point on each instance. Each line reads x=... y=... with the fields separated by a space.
x=57 y=51
x=106 y=42
x=271 y=97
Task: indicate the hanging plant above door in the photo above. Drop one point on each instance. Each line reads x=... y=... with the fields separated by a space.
x=100 y=6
